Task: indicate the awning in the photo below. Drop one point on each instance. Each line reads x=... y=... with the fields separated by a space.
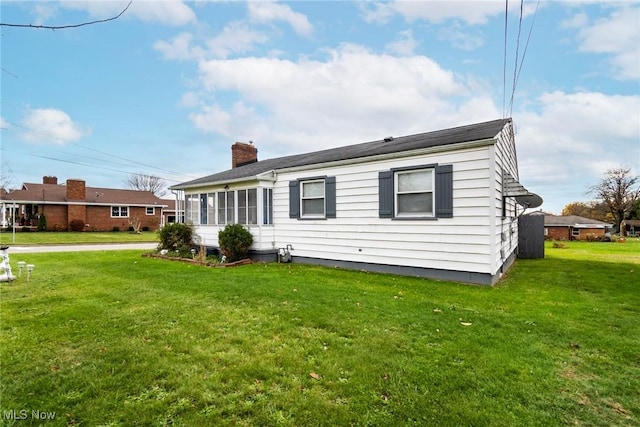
x=512 y=188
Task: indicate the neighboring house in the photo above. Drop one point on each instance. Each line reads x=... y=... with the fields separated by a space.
x=101 y=209
x=438 y=204
x=630 y=227
x=171 y=214
x=573 y=227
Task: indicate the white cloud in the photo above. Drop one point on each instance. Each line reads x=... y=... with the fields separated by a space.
x=50 y=125
x=168 y=12
x=234 y=38
x=352 y=96
x=617 y=35
x=179 y=48
x=461 y=39
x=471 y=12
x=405 y=45
x=267 y=11
x=573 y=140
x=3 y=123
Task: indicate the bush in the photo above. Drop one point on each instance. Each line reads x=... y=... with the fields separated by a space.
x=145 y=228
x=42 y=223
x=76 y=225
x=235 y=241
x=176 y=237
x=115 y=229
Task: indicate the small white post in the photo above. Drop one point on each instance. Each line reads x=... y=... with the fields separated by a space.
x=30 y=268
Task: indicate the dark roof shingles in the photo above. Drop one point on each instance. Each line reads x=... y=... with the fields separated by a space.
x=475 y=132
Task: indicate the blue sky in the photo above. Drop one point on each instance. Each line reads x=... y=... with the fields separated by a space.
x=168 y=87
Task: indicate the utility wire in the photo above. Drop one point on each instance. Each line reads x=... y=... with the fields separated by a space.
x=93 y=149
x=504 y=66
x=524 y=53
x=64 y=27
x=515 y=67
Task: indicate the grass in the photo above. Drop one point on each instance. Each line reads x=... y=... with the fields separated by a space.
x=71 y=237
x=112 y=338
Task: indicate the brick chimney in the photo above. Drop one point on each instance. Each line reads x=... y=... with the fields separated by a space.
x=76 y=189
x=50 y=180
x=243 y=154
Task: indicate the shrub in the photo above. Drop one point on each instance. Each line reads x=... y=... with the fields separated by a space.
x=115 y=229
x=176 y=237
x=591 y=237
x=145 y=228
x=235 y=241
x=76 y=225
x=42 y=223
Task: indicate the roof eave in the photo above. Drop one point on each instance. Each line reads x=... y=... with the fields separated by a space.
x=264 y=176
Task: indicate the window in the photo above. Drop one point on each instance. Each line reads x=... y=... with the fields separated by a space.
x=226 y=207
x=575 y=232
x=267 y=204
x=211 y=208
x=192 y=208
x=312 y=198
x=414 y=193
x=421 y=192
x=151 y=211
x=119 y=211
x=248 y=206
x=203 y=208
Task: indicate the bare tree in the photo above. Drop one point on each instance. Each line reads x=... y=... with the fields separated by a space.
x=6 y=175
x=618 y=191
x=151 y=183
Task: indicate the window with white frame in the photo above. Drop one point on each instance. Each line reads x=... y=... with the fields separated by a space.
x=192 y=208
x=151 y=210
x=267 y=205
x=211 y=208
x=226 y=207
x=248 y=206
x=312 y=198
x=119 y=211
x=414 y=193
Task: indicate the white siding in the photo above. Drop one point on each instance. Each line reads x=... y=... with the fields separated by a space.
x=463 y=243
x=506 y=228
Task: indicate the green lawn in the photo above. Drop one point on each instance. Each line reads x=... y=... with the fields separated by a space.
x=113 y=338
x=70 y=237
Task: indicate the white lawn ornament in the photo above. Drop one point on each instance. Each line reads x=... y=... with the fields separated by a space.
x=5 y=267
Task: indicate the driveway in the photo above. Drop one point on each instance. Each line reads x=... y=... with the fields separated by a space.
x=80 y=248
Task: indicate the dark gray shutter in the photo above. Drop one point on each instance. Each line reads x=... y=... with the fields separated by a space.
x=385 y=194
x=330 y=196
x=444 y=191
x=294 y=199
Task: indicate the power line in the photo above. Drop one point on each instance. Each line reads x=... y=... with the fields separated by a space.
x=129 y=161
x=504 y=66
x=515 y=66
x=533 y=21
x=92 y=149
x=63 y=27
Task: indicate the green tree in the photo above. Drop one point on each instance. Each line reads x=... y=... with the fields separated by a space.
x=42 y=223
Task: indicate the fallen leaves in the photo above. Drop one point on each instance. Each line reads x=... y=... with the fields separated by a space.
x=315 y=376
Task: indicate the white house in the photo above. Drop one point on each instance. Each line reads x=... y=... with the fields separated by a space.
x=440 y=204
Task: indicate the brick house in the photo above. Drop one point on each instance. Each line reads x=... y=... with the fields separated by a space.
x=101 y=209
x=573 y=227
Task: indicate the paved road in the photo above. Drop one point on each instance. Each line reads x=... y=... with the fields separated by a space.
x=79 y=248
